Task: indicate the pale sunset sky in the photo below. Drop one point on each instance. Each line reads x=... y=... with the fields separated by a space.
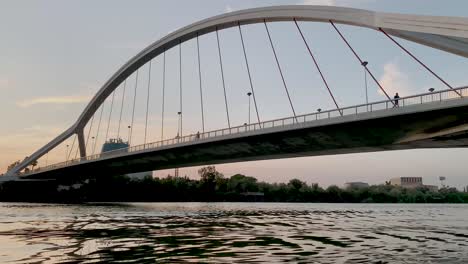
x=55 y=55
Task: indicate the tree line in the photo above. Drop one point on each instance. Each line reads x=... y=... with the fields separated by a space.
x=214 y=187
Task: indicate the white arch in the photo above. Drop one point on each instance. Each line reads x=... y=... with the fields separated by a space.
x=445 y=33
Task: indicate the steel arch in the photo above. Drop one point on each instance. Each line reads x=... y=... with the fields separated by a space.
x=445 y=33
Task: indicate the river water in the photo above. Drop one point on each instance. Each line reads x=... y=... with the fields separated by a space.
x=233 y=232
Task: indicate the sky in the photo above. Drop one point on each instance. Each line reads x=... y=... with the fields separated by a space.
x=55 y=55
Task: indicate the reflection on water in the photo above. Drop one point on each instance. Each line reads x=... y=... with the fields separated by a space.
x=233 y=232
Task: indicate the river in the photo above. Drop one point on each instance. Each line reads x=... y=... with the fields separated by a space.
x=233 y=232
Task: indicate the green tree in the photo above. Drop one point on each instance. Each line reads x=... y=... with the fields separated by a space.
x=296 y=184
x=210 y=178
x=240 y=183
x=33 y=164
x=12 y=165
x=334 y=193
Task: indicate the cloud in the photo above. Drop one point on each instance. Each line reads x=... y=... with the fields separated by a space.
x=228 y=9
x=54 y=100
x=318 y=2
x=394 y=80
x=18 y=144
x=5 y=83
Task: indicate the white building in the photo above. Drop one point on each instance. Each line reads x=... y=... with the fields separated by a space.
x=407 y=182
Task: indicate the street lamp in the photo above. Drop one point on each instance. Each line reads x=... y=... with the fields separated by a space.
x=128 y=141
x=431 y=90
x=66 y=153
x=179 y=129
x=249 y=94
x=364 y=64
x=179 y=125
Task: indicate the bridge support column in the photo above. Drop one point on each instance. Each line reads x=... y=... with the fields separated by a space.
x=81 y=143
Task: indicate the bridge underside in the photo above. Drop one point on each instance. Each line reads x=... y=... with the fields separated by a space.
x=446 y=128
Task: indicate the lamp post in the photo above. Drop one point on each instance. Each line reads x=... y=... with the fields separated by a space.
x=431 y=90
x=364 y=64
x=179 y=125
x=179 y=135
x=249 y=94
x=66 y=153
x=128 y=138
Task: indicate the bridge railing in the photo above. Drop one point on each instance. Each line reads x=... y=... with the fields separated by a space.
x=431 y=97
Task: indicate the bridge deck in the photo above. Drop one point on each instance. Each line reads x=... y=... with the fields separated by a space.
x=373 y=127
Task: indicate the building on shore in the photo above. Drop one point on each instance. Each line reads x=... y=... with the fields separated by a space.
x=407 y=182
x=433 y=188
x=412 y=182
x=356 y=185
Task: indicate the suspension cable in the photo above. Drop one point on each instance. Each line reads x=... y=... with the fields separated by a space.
x=248 y=71
x=317 y=66
x=71 y=149
x=163 y=89
x=222 y=77
x=110 y=115
x=361 y=62
x=99 y=127
x=279 y=68
x=76 y=152
x=133 y=111
x=121 y=108
x=77 y=149
x=147 y=100
x=89 y=131
x=201 y=90
x=180 y=85
x=420 y=62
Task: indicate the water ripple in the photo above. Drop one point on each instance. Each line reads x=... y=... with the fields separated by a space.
x=233 y=232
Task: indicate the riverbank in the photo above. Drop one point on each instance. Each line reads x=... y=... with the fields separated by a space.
x=214 y=187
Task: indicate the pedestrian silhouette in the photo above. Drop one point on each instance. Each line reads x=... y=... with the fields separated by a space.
x=198 y=134
x=396 y=97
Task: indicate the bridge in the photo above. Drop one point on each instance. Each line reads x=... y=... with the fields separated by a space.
x=434 y=119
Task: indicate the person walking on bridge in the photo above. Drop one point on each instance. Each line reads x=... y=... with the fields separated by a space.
x=396 y=97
